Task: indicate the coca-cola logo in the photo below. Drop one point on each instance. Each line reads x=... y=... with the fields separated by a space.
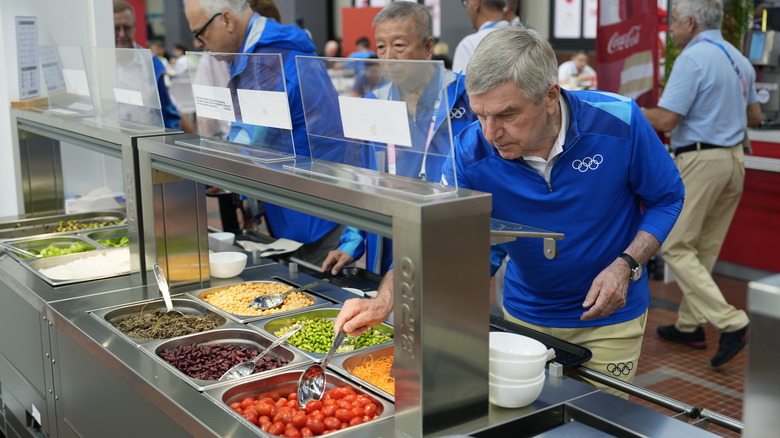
x=619 y=42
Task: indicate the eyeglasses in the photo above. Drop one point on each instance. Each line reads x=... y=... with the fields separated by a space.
x=197 y=33
x=126 y=29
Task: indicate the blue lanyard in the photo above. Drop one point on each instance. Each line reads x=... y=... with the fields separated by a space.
x=733 y=64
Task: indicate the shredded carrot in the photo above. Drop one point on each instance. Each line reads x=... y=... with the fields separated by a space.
x=376 y=372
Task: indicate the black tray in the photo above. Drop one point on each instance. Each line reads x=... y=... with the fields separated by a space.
x=566 y=353
x=356 y=278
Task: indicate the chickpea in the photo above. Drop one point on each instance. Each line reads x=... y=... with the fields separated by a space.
x=236 y=299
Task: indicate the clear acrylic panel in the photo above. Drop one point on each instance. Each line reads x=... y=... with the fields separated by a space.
x=242 y=106
x=391 y=124
x=67 y=82
x=126 y=95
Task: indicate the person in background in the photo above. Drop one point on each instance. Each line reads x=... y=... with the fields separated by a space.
x=404 y=31
x=182 y=62
x=332 y=49
x=707 y=104
x=584 y=164
x=230 y=26
x=158 y=50
x=441 y=52
x=369 y=79
x=363 y=52
x=576 y=73
x=486 y=16
x=512 y=13
x=266 y=8
x=124 y=38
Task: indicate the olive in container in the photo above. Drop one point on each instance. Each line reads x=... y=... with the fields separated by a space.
x=143 y=322
x=252 y=401
x=201 y=358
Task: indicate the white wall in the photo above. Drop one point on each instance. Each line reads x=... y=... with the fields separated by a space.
x=85 y=23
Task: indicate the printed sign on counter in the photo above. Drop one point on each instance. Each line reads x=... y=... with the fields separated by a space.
x=382 y=121
x=265 y=108
x=131 y=97
x=213 y=102
x=52 y=69
x=27 y=56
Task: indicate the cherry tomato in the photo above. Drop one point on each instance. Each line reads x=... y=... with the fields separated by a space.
x=344 y=415
x=277 y=428
x=344 y=425
x=292 y=404
x=306 y=432
x=265 y=427
x=343 y=404
x=235 y=406
x=313 y=405
x=329 y=410
x=299 y=419
x=264 y=419
x=284 y=414
x=281 y=402
x=247 y=402
x=315 y=426
x=263 y=409
x=366 y=418
x=355 y=421
x=331 y=423
x=292 y=396
x=349 y=391
x=267 y=400
x=250 y=415
x=339 y=393
x=317 y=415
x=292 y=431
x=349 y=398
x=363 y=399
x=357 y=411
x=369 y=409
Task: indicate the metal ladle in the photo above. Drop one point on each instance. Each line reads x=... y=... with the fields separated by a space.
x=162 y=284
x=311 y=385
x=246 y=368
x=269 y=301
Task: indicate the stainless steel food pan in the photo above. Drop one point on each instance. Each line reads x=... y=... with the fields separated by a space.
x=104 y=233
x=239 y=336
x=202 y=294
x=284 y=383
x=112 y=316
x=35 y=244
x=330 y=313
x=48 y=224
x=36 y=265
x=346 y=362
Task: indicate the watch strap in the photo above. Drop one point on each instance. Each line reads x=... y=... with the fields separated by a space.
x=630 y=260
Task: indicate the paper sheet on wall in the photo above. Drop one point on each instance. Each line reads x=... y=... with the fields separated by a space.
x=213 y=102
x=51 y=66
x=27 y=56
x=383 y=121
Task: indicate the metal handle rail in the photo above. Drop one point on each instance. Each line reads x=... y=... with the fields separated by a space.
x=638 y=391
x=707 y=416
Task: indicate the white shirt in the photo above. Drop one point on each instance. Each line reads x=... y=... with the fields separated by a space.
x=468 y=44
x=539 y=164
x=567 y=71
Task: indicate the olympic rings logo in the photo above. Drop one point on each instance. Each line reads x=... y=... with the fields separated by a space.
x=620 y=368
x=587 y=163
x=457 y=113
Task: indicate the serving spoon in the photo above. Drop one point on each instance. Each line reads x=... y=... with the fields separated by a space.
x=269 y=301
x=246 y=368
x=311 y=385
x=162 y=284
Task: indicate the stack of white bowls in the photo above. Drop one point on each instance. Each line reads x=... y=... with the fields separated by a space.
x=516 y=369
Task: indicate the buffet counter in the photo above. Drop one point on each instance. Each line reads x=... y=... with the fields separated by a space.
x=102 y=383
x=754 y=234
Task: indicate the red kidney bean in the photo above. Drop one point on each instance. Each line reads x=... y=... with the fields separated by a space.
x=209 y=362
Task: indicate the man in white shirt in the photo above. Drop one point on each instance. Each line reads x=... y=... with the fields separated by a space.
x=486 y=16
x=576 y=74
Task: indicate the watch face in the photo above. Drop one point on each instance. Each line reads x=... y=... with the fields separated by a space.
x=636 y=273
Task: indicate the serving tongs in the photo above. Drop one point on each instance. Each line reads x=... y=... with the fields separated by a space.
x=269 y=301
x=20 y=251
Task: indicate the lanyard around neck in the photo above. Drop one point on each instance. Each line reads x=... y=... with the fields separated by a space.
x=733 y=64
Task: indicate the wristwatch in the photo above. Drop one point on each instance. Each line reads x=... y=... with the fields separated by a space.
x=636 y=268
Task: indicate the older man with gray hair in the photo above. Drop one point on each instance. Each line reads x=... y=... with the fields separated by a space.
x=708 y=102
x=485 y=16
x=230 y=26
x=586 y=164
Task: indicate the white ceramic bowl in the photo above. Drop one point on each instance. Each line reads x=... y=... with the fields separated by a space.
x=515 y=396
x=224 y=237
x=226 y=264
x=517 y=369
x=511 y=346
x=498 y=380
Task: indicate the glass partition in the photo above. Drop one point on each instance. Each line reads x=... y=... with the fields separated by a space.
x=67 y=83
x=126 y=95
x=242 y=106
x=392 y=120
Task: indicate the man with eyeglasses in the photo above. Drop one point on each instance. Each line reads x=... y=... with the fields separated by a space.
x=124 y=35
x=486 y=16
x=231 y=26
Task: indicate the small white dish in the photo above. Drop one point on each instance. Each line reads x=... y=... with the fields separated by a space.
x=511 y=346
x=515 y=396
x=226 y=264
x=224 y=237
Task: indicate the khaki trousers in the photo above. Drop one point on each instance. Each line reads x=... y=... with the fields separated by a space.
x=713 y=180
x=615 y=347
